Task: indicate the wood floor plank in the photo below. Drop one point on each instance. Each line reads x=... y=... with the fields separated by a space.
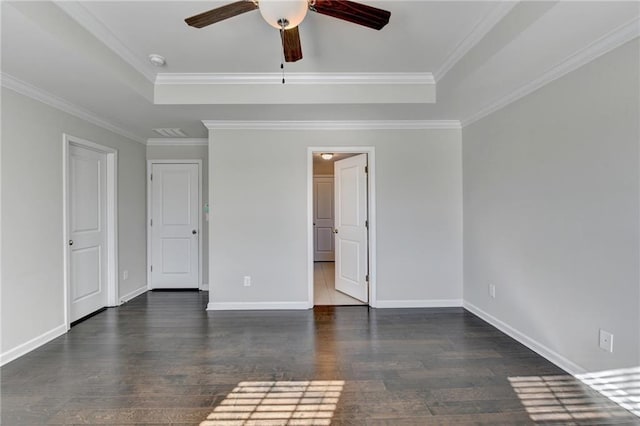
x=162 y=359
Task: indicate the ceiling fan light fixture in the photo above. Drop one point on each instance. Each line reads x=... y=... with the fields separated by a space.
x=277 y=11
x=326 y=156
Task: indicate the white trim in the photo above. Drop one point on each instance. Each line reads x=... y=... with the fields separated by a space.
x=99 y=30
x=434 y=303
x=112 y=220
x=177 y=141
x=537 y=347
x=113 y=272
x=479 y=31
x=133 y=294
x=150 y=163
x=332 y=125
x=371 y=199
x=148 y=224
x=252 y=306
x=1 y=239
x=604 y=44
x=65 y=229
x=275 y=78
x=204 y=287
x=36 y=342
x=26 y=89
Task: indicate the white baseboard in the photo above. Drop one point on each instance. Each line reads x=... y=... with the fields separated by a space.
x=253 y=306
x=134 y=293
x=562 y=362
x=434 y=303
x=8 y=356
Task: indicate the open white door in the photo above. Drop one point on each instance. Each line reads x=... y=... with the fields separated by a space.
x=87 y=231
x=351 y=245
x=323 y=212
x=174 y=226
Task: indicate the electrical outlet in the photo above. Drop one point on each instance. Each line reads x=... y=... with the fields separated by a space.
x=492 y=291
x=606 y=341
x=247 y=281
x=125 y=274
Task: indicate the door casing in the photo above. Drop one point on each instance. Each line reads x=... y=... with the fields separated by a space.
x=370 y=151
x=150 y=163
x=111 y=220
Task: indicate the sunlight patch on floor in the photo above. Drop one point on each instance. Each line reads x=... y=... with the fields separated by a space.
x=278 y=403
x=564 y=398
x=621 y=386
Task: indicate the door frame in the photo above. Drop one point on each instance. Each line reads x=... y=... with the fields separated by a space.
x=371 y=208
x=112 y=220
x=150 y=164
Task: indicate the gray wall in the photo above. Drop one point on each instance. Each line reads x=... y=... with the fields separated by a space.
x=258 y=193
x=190 y=152
x=551 y=208
x=32 y=237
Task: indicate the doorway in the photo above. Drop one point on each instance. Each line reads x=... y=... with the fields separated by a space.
x=341 y=226
x=174 y=246
x=90 y=227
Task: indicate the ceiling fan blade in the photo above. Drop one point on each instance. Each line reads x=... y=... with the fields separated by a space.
x=291 y=44
x=350 y=11
x=221 y=13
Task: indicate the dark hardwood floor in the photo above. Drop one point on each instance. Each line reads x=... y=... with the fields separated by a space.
x=162 y=359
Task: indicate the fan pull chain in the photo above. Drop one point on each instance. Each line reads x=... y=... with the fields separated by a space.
x=282 y=25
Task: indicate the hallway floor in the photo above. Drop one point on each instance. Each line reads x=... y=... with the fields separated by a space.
x=163 y=359
x=324 y=287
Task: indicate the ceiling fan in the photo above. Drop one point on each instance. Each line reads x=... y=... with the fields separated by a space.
x=286 y=15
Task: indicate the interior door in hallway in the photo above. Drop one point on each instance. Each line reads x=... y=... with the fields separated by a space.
x=351 y=234
x=174 y=226
x=323 y=211
x=87 y=231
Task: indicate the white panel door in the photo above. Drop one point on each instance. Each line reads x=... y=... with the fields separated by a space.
x=174 y=226
x=323 y=212
x=351 y=245
x=87 y=231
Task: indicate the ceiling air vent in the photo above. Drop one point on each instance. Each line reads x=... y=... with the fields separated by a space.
x=170 y=133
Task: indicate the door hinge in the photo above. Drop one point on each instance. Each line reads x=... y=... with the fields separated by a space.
x=366 y=278
x=152 y=176
x=150 y=222
x=151 y=268
x=366 y=169
x=366 y=224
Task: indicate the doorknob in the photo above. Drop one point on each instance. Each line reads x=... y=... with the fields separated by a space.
x=70 y=242
x=194 y=232
x=335 y=231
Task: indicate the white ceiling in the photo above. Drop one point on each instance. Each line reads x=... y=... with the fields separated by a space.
x=486 y=58
x=417 y=39
x=318 y=161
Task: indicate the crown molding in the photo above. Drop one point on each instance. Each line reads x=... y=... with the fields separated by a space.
x=294 y=78
x=601 y=46
x=333 y=125
x=301 y=89
x=177 y=142
x=40 y=95
x=480 y=29
x=99 y=30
